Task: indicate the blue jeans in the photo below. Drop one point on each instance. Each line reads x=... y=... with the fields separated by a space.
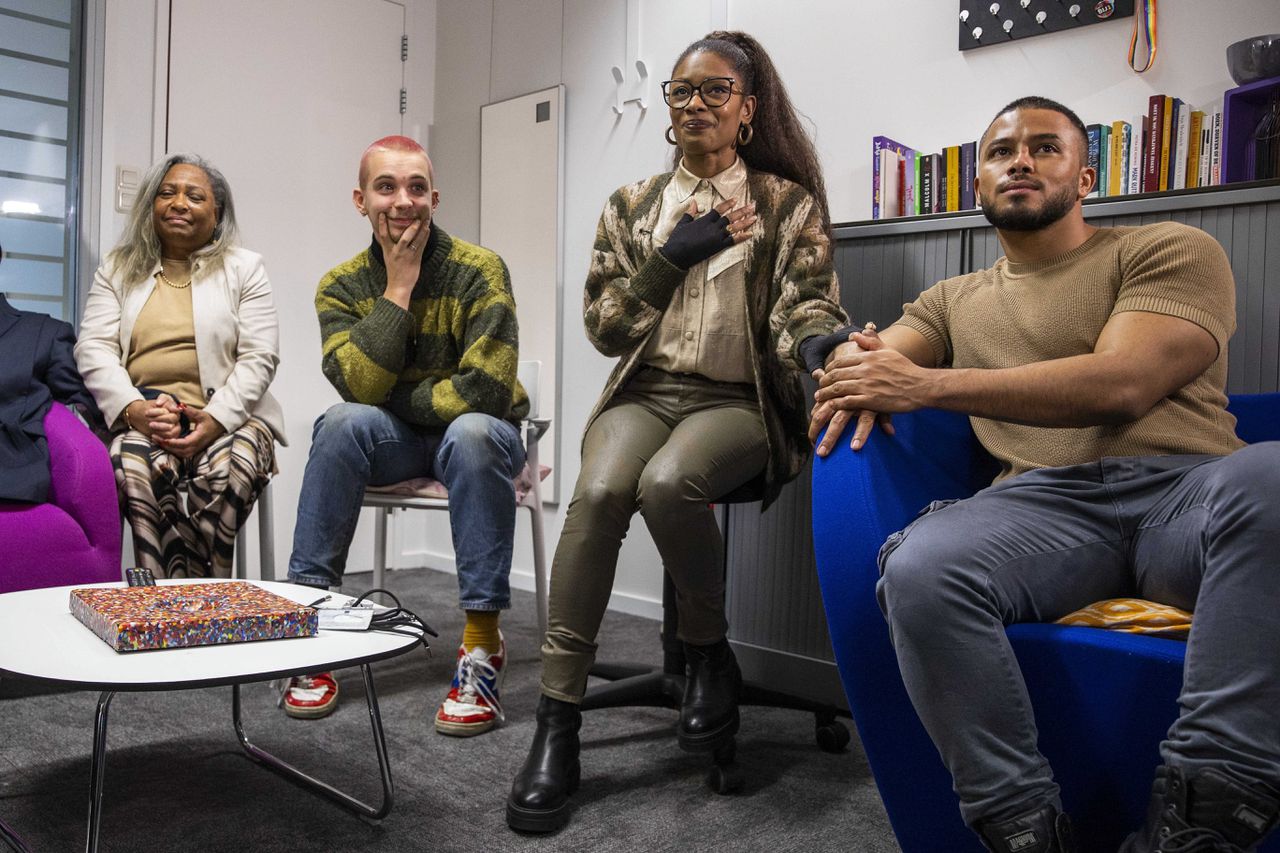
x=1196 y=532
x=354 y=445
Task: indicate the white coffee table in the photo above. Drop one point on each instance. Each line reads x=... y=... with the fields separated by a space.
x=41 y=640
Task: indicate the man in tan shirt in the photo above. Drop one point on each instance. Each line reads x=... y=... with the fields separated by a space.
x=1092 y=363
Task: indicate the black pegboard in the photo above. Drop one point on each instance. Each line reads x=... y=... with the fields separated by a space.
x=1020 y=19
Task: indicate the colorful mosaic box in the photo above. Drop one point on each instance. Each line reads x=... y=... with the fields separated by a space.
x=199 y=614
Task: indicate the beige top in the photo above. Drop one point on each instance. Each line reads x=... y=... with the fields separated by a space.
x=1014 y=314
x=704 y=329
x=162 y=351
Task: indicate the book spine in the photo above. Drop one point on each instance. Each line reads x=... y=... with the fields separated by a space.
x=1136 y=147
x=1118 y=173
x=1206 y=149
x=904 y=186
x=968 y=153
x=1178 y=148
x=875 y=177
x=1166 y=126
x=1215 y=163
x=1094 y=135
x=890 y=188
x=940 y=181
x=908 y=169
x=918 y=182
x=1196 y=124
x=926 y=183
x=1151 y=153
x=1104 y=162
x=953 y=177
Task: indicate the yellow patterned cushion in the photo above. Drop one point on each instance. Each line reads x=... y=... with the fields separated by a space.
x=1133 y=615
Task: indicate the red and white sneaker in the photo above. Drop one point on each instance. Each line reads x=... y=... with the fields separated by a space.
x=473 y=705
x=309 y=697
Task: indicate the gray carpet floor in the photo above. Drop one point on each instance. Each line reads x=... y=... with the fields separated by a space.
x=176 y=779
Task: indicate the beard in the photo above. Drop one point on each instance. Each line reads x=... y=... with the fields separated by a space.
x=1018 y=218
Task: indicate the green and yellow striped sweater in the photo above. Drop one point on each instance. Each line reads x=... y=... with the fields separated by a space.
x=454 y=351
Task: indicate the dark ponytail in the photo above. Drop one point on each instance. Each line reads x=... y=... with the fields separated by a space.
x=779 y=143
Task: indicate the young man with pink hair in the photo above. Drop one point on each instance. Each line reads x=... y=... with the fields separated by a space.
x=420 y=340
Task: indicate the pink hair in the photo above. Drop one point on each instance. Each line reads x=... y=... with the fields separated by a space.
x=392 y=143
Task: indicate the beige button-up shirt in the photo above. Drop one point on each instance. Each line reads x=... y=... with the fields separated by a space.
x=704 y=329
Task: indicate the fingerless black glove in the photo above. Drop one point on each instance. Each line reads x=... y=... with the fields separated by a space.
x=815 y=349
x=694 y=240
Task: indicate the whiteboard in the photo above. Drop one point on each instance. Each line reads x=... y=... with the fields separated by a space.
x=521 y=218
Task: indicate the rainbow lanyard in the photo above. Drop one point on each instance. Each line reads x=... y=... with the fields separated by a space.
x=1144 y=19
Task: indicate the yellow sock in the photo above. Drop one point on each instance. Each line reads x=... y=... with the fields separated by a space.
x=481 y=630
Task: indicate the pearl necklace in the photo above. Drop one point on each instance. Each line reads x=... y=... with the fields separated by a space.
x=169 y=281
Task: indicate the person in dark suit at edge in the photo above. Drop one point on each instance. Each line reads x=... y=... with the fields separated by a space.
x=37 y=368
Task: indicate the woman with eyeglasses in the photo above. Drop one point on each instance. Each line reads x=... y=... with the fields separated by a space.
x=704 y=282
x=178 y=344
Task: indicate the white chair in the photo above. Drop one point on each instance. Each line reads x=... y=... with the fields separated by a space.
x=266 y=540
x=429 y=494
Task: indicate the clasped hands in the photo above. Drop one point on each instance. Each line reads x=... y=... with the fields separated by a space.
x=160 y=421
x=866 y=382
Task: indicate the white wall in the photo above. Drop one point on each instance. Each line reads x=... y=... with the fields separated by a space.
x=855 y=68
x=302 y=224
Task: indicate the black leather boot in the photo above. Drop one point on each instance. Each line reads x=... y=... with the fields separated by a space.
x=709 y=710
x=1209 y=811
x=1045 y=830
x=539 y=800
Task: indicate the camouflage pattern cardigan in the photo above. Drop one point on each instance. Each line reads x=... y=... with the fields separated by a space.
x=792 y=294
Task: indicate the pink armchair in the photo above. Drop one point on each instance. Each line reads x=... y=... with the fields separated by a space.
x=74 y=537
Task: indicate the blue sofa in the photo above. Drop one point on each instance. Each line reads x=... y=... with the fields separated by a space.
x=1103 y=700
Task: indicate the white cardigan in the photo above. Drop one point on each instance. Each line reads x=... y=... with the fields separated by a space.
x=237 y=340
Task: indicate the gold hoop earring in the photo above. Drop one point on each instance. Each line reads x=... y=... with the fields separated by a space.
x=750 y=134
x=667 y=135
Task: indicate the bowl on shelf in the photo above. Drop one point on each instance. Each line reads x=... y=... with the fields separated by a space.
x=1253 y=59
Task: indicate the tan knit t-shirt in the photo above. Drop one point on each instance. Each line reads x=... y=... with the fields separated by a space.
x=1014 y=314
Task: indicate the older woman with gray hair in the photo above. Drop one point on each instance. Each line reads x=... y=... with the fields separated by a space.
x=178 y=344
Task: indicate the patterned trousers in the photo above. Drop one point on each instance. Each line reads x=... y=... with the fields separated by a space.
x=185 y=512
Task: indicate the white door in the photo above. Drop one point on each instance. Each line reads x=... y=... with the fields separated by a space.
x=283 y=98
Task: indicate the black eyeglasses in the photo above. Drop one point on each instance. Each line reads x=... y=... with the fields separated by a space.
x=714 y=91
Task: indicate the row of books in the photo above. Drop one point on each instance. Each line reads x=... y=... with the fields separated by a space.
x=1172 y=146
x=1184 y=151
x=906 y=182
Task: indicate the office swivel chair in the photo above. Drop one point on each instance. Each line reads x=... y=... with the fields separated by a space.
x=636 y=685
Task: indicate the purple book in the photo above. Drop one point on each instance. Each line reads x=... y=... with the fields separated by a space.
x=879 y=143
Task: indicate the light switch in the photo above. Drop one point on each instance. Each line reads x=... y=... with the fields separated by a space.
x=128 y=177
x=127 y=180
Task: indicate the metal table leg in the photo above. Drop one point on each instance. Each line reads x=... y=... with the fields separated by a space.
x=97 y=770
x=294 y=774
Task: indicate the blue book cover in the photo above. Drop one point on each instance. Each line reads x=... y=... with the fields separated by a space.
x=1094 y=132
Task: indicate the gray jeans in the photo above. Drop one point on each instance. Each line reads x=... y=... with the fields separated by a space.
x=666 y=446
x=1196 y=532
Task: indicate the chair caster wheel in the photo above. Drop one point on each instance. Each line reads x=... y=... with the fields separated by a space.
x=725 y=777
x=725 y=780
x=832 y=737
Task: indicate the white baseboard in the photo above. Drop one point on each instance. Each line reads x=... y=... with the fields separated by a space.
x=522 y=579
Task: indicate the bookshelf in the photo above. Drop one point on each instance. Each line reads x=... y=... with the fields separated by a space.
x=776 y=618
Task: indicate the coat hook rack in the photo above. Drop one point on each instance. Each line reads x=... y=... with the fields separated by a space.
x=640 y=89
